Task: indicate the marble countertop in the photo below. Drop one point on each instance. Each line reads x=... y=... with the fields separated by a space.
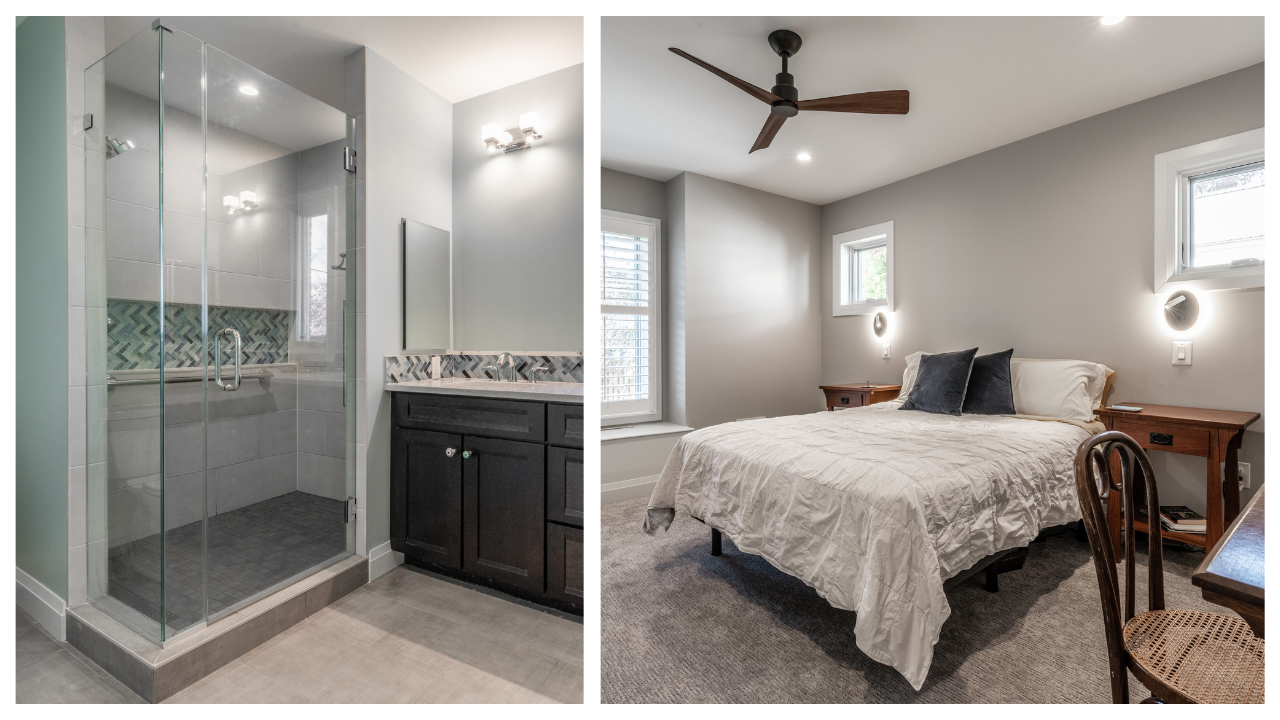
x=544 y=392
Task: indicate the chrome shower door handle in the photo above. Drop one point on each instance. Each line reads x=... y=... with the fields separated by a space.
x=217 y=360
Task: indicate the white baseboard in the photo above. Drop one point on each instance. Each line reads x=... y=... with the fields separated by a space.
x=616 y=492
x=42 y=604
x=383 y=560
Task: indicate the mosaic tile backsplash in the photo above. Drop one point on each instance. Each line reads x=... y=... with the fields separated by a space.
x=407 y=368
x=133 y=334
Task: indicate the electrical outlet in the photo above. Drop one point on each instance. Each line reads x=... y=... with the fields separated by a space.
x=1181 y=353
x=1244 y=476
x=884 y=351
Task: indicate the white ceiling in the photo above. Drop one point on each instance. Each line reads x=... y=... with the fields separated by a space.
x=457 y=57
x=975 y=83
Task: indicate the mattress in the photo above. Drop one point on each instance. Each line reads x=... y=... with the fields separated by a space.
x=876 y=507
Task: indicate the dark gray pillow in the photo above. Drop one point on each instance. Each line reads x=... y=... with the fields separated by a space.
x=990 y=385
x=941 y=383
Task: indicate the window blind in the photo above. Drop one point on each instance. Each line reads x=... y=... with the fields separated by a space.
x=626 y=318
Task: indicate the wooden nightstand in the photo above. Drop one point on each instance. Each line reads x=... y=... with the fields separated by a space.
x=1211 y=434
x=857 y=395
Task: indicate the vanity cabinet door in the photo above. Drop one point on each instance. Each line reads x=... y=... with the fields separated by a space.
x=564 y=563
x=564 y=486
x=426 y=496
x=504 y=516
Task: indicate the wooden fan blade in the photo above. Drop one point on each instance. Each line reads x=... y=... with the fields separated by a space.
x=886 y=102
x=758 y=93
x=771 y=128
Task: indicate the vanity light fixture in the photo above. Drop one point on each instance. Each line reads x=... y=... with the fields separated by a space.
x=497 y=139
x=1112 y=19
x=247 y=201
x=248 y=90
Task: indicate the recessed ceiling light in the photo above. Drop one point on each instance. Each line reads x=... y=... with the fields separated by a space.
x=1112 y=19
x=804 y=157
x=248 y=90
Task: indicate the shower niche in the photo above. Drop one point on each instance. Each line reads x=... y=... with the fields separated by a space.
x=220 y=406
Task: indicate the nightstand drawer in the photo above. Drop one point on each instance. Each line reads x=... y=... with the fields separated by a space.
x=844 y=399
x=1169 y=438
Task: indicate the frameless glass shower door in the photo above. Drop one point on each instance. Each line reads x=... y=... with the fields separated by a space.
x=221 y=443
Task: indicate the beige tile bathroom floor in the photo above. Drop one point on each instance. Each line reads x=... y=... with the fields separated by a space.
x=406 y=637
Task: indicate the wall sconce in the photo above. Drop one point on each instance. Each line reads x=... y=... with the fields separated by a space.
x=880 y=324
x=1181 y=310
x=497 y=139
x=247 y=201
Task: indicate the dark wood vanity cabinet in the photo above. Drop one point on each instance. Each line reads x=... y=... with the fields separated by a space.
x=470 y=500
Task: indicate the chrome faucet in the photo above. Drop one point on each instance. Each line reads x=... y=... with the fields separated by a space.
x=533 y=372
x=504 y=360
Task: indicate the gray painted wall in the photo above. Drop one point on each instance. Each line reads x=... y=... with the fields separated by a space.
x=742 y=292
x=624 y=192
x=406 y=161
x=1045 y=245
x=41 y=309
x=517 y=220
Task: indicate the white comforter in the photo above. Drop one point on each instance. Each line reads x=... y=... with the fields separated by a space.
x=875 y=507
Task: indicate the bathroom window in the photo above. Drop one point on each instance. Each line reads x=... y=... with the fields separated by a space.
x=316 y=300
x=630 y=390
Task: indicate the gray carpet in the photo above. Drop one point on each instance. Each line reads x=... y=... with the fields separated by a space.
x=682 y=626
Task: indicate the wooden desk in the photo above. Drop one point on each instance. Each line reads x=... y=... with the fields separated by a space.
x=858 y=394
x=1234 y=573
x=1211 y=434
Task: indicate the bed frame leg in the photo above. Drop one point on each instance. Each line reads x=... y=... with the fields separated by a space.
x=1081 y=535
x=993 y=578
x=715 y=541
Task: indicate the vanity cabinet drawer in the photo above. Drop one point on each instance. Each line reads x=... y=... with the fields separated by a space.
x=565 y=486
x=509 y=419
x=1169 y=438
x=565 y=425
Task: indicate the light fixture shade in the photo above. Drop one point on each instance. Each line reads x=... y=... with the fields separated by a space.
x=529 y=122
x=489 y=133
x=249 y=197
x=230 y=201
x=504 y=138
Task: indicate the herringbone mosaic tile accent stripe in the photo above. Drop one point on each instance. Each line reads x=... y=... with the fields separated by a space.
x=408 y=368
x=133 y=334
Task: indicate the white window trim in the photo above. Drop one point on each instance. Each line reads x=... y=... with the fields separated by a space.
x=1172 y=172
x=840 y=246
x=655 y=327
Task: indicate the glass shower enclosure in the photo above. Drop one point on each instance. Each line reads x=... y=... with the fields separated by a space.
x=221 y=456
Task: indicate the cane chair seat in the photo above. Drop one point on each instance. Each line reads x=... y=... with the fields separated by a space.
x=1202 y=656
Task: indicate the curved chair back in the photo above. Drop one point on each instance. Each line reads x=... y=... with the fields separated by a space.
x=1113 y=462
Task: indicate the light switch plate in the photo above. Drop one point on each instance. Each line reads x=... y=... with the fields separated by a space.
x=884 y=352
x=1181 y=353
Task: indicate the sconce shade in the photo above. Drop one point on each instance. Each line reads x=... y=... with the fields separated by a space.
x=1181 y=310
x=529 y=122
x=489 y=133
x=880 y=324
x=248 y=197
x=230 y=201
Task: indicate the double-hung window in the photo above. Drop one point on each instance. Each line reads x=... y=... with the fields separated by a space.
x=1210 y=227
x=863 y=270
x=630 y=293
x=315 y=283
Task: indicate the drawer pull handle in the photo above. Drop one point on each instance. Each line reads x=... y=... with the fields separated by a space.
x=1161 y=439
x=449 y=452
x=467 y=453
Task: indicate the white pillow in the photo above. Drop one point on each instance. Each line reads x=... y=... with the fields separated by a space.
x=1067 y=389
x=909 y=375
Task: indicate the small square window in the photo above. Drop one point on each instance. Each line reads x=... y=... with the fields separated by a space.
x=1226 y=221
x=863 y=263
x=869 y=272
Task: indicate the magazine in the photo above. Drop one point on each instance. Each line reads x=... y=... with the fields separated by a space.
x=1181 y=518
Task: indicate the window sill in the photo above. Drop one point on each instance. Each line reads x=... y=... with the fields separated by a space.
x=641 y=430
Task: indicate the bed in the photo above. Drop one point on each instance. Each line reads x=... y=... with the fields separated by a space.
x=876 y=508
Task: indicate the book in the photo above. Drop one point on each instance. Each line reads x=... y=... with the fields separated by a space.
x=1181 y=518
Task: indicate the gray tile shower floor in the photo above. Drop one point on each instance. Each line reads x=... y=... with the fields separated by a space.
x=406 y=637
x=250 y=550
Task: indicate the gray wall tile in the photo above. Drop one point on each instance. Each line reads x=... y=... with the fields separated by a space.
x=233 y=440
x=278 y=256
x=133 y=232
x=279 y=433
x=322 y=475
x=183 y=239
x=133 y=177
x=252 y=482
x=322 y=433
x=320 y=391
x=234 y=248
x=183 y=187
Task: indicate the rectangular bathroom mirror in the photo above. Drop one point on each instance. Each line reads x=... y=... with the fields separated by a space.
x=427 y=286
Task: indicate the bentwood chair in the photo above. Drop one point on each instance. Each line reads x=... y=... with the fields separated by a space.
x=1181 y=656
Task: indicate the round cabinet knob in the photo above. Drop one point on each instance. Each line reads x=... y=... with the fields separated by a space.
x=466 y=453
x=449 y=452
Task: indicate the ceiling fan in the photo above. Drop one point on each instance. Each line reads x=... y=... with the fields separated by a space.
x=784 y=101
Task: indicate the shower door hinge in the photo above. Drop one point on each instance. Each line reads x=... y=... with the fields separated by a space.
x=348 y=159
x=88 y=121
x=349 y=510
x=155 y=25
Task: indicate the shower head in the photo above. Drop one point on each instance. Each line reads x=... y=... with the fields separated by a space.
x=116 y=147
